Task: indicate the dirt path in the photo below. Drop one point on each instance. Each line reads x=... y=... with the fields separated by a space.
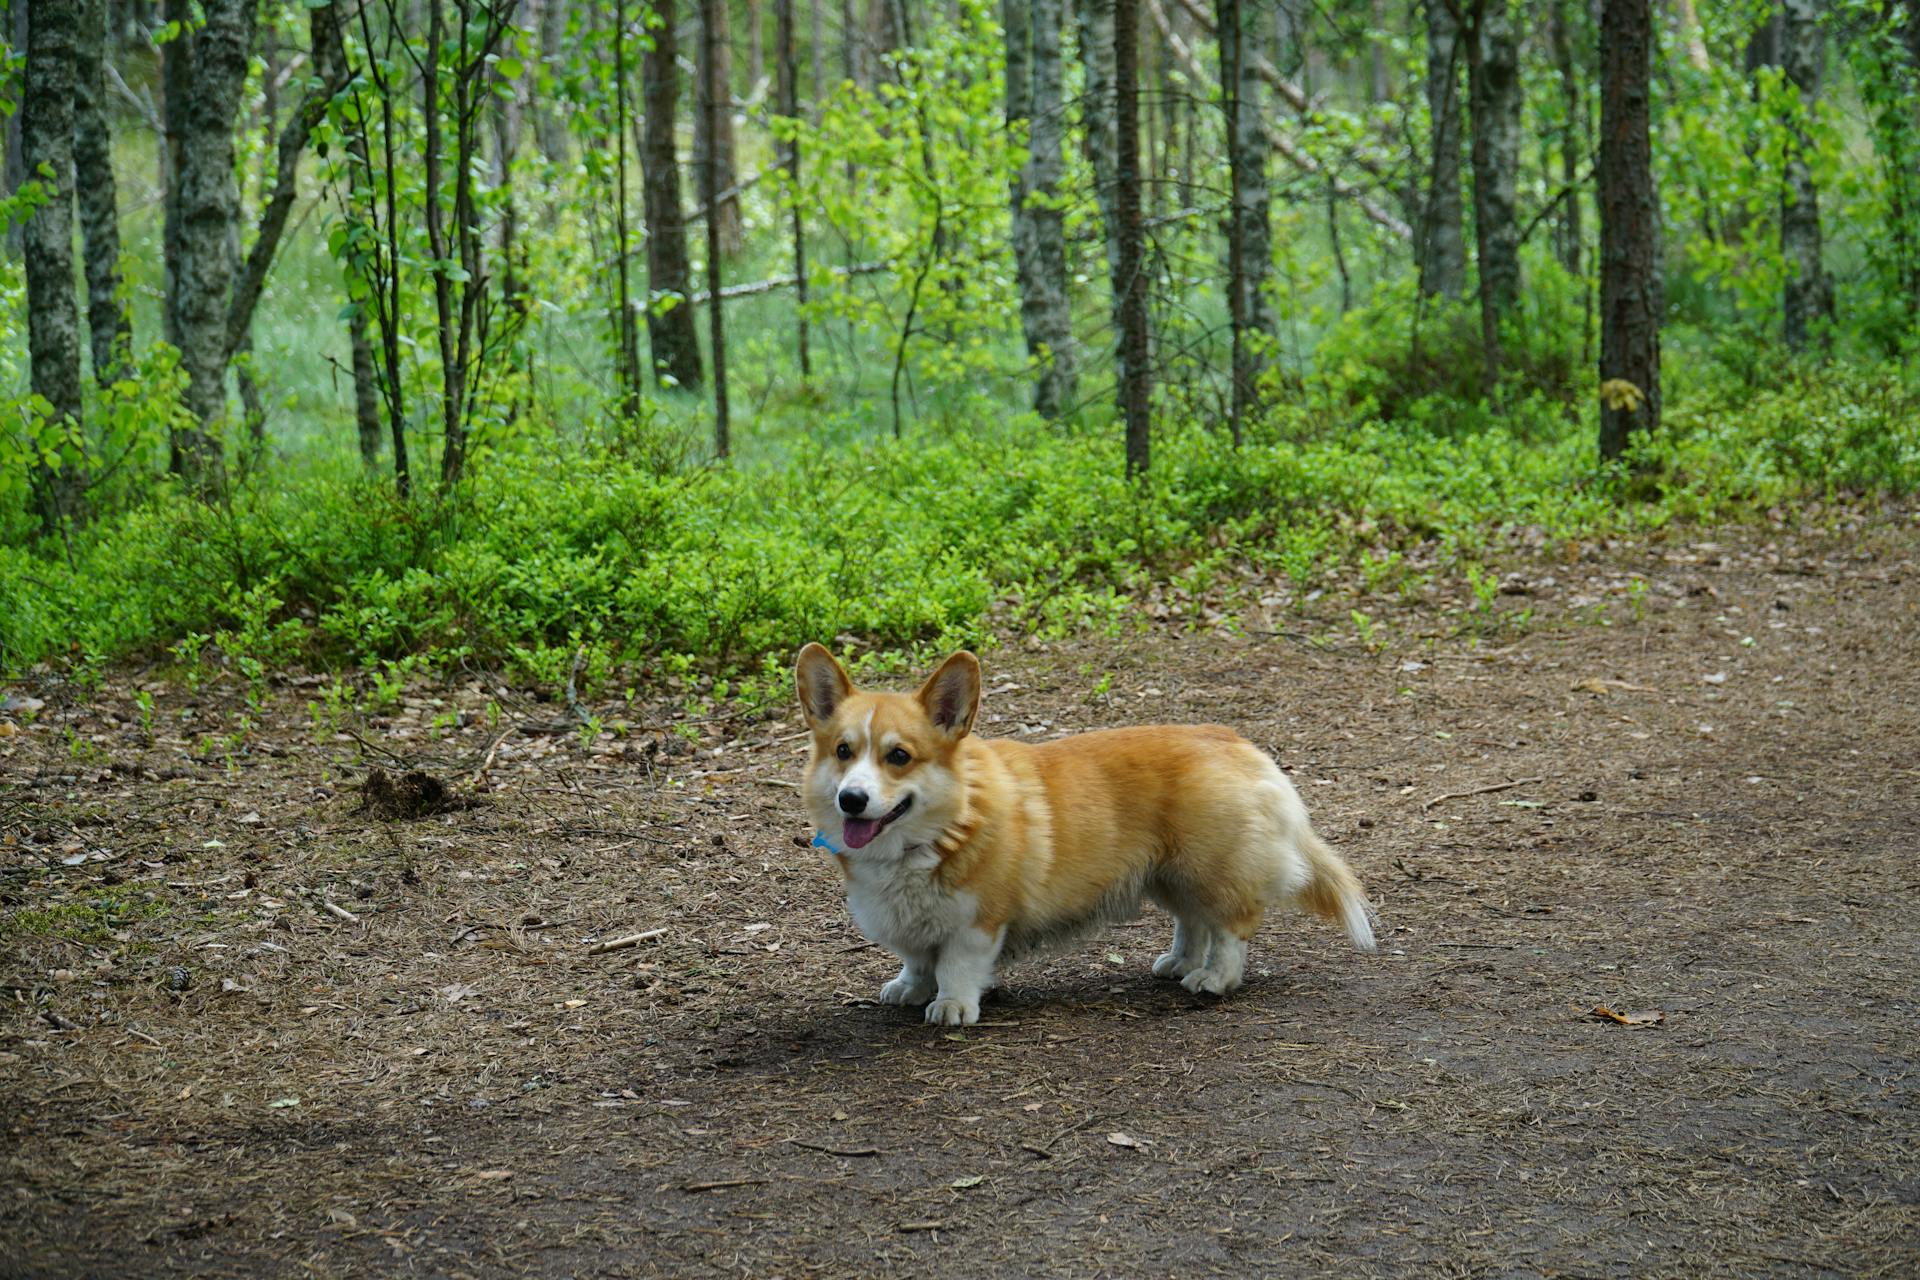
x=206 y=1069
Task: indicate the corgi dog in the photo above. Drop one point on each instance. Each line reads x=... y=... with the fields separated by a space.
x=959 y=853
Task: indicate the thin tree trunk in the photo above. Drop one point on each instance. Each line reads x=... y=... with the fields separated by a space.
x=53 y=315
x=756 y=47
x=1098 y=119
x=109 y=321
x=329 y=65
x=816 y=58
x=711 y=108
x=1249 y=234
x=549 y=21
x=1442 y=246
x=1039 y=242
x=206 y=202
x=16 y=170
x=671 y=331
x=789 y=72
x=1130 y=281
x=713 y=134
x=625 y=338
x=1570 y=236
x=1493 y=77
x=1629 y=279
x=1808 y=301
x=366 y=398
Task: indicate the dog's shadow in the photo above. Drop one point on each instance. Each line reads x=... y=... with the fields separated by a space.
x=841 y=1032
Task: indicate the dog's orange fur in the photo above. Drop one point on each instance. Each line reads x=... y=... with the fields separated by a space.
x=1042 y=836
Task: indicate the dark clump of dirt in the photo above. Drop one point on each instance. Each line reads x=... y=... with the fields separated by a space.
x=405 y=798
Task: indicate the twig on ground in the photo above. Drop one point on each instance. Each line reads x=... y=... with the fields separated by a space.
x=621 y=944
x=723 y=1183
x=835 y=1151
x=1479 y=791
x=339 y=912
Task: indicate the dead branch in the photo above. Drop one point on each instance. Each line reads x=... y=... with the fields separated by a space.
x=1280 y=142
x=621 y=944
x=1478 y=791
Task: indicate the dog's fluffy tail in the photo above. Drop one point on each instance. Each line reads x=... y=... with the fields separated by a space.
x=1333 y=891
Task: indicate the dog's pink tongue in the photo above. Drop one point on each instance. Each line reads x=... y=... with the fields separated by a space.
x=861 y=831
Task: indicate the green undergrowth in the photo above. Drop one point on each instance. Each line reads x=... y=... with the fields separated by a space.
x=557 y=549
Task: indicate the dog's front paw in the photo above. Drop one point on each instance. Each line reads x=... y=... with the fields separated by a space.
x=1210 y=981
x=905 y=990
x=952 y=1011
x=1172 y=964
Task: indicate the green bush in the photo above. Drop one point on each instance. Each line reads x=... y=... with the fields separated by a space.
x=551 y=548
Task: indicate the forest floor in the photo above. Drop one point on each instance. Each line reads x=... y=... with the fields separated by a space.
x=252 y=1028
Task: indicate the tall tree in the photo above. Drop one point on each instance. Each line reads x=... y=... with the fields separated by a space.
x=789 y=75
x=711 y=108
x=1442 y=245
x=16 y=167
x=1242 y=28
x=1039 y=237
x=1130 y=279
x=626 y=341
x=670 y=320
x=1493 y=85
x=713 y=135
x=109 y=321
x=1099 y=123
x=1808 y=301
x=1629 y=273
x=53 y=316
x=206 y=69
x=1568 y=235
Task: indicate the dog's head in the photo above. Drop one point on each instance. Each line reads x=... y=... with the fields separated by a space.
x=884 y=775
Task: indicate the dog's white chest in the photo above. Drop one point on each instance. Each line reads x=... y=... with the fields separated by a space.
x=899 y=903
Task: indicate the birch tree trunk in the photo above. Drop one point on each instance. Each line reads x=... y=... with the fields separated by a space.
x=789 y=76
x=205 y=207
x=53 y=315
x=549 y=21
x=1630 y=290
x=1442 y=243
x=1493 y=76
x=1808 y=301
x=366 y=398
x=712 y=25
x=16 y=170
x=1130 y=280
x=1569 y=236
x=1097 y=114
x=713 y=132
x=1249 y=236
x=1039 y=240
x=109 y=322
x=670 y=321
x=626 y=340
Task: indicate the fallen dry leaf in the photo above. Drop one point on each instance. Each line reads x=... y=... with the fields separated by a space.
x=1646 y=1018
x=1125 y=1140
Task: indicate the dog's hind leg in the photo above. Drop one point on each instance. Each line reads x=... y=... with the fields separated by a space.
x=1226 y=965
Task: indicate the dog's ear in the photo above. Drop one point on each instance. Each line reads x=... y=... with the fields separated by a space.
x=822 y=683
x=951 y=695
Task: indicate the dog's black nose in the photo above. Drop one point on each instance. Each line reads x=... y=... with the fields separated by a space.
x=853 y=802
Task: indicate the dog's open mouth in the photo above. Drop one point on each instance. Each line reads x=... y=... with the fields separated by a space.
x=861 y=831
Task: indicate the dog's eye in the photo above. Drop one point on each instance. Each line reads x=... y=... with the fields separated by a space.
x=844 y=751
x=898 y=757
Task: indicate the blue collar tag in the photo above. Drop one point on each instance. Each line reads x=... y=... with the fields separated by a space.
x=820 y=841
